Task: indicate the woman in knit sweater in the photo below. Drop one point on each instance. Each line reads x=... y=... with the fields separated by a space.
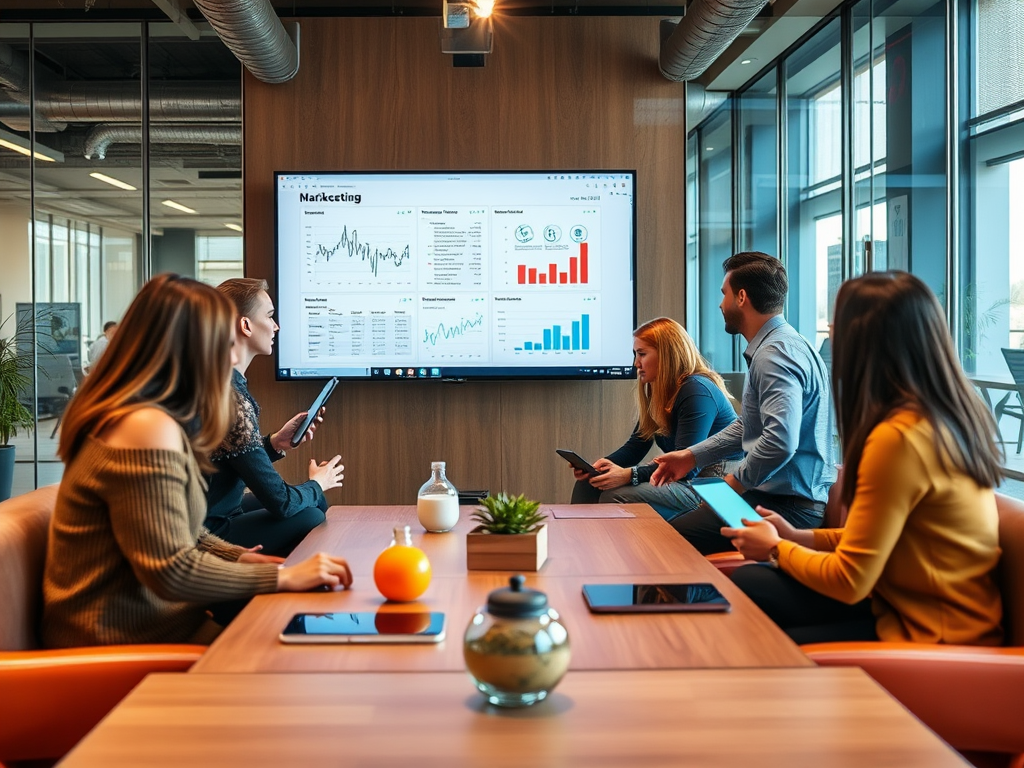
x=917 y=557
x=128 y=560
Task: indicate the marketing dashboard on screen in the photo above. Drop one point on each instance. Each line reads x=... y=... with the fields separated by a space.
x=456 y=275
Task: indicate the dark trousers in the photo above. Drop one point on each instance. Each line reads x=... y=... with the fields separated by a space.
x=701 y=526
x=803 y=614
x=255 y=525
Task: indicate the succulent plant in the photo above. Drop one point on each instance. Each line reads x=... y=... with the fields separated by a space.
x=505 y=514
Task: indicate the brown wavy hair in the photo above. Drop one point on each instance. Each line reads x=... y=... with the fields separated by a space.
x=678 y=357
x=173 y=351
x=891 y=350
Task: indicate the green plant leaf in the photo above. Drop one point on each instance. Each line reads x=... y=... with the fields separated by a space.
x=508 y=515
x=14 y=381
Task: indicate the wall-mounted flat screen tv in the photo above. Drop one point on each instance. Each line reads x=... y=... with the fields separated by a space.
x=456 y=275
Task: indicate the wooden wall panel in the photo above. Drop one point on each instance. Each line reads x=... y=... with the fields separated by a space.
x=378 y=94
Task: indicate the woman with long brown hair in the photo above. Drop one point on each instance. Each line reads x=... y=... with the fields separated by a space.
x=128 y=560
x=917 y=557
x=681 y=401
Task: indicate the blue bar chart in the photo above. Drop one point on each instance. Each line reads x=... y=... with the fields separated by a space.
x=555 y=338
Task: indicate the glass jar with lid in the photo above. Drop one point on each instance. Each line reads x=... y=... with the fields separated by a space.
x=437 y=504
x=516 y=648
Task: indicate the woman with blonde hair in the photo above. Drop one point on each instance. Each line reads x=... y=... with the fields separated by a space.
x=681 y=401
x=128 y=560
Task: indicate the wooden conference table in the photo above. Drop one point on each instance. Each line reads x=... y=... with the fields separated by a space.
x=660 y=689
x=588 y=550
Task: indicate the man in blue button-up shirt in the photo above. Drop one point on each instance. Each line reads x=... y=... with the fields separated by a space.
x=786 y=424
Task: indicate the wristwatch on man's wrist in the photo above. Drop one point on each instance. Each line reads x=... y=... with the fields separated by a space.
x=634 y=476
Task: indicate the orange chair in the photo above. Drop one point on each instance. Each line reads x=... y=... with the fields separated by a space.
x=972 y=697
x=51 y=698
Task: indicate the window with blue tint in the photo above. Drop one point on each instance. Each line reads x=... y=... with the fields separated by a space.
x=813 y=249
x=914 y=143
x=757 y=116
x=992 y=255
x=714 y=235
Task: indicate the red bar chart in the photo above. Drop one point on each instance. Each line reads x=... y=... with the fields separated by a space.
x=578 y=272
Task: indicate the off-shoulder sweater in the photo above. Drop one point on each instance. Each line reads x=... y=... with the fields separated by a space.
x=128 y=560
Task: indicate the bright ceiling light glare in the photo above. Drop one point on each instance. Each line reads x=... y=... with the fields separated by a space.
x=233 y=226
x=709 y=149
x=179 y=206
x=484 y=8
x=113 y=182
x=18 y=144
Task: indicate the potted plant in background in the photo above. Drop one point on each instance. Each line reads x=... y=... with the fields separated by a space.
x=14 y=380
x=510 y=536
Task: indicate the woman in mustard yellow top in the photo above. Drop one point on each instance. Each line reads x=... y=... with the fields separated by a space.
x=917 y=557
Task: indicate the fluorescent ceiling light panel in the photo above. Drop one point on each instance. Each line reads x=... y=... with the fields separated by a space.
x=114 y=182
x=20 y=145
x=233 y=226
x=178 y=206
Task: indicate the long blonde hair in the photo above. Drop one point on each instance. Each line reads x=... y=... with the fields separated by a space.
x=173 y=351
x=678 y=357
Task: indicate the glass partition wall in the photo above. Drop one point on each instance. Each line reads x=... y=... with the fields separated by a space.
x=84 y=200
x=895 y=133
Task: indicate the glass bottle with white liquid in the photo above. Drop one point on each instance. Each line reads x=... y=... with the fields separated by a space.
x=437 y=504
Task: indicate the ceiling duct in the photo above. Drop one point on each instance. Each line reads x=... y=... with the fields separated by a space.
x=14 y=70
x=700 y=103
x=252 y=31
x=700 y=37
x=121 y=101
x=100 y=137
x=63 y=101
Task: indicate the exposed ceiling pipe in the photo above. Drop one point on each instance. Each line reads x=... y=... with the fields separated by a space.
x=14 y=70
x=121 y=101
x=257 y=37
x=116 y=101
x=707 y=29
x=100 y=137
x=700 y=103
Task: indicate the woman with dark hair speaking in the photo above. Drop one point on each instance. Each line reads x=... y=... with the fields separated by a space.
x=681 y=401
x=128 y=559
x=917 y=557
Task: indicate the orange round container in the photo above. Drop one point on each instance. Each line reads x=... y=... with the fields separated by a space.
x=402 y=571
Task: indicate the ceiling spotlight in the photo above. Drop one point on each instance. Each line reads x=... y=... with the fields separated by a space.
x=233 y=226
x=112 y=181
x=467 y=27
x=179 y=206
x=748 y=61
x=709 y=149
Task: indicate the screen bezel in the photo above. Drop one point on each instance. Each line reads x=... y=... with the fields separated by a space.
x=520 y=373
x=434 y=633
x=722 y=606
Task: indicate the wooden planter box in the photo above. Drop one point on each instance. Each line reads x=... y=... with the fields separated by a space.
x=497 y=552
